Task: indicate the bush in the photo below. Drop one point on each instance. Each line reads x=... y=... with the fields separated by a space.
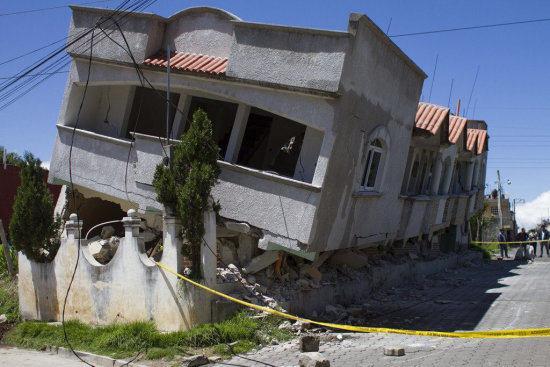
x=33 y=229
x=4 y=272
x=185 y=186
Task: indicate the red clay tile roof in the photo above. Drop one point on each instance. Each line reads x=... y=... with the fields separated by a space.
x=456 y=127
x=472 y=135
x=430 y=117
x=189 y=62
x=476 y=140
x=481 y=141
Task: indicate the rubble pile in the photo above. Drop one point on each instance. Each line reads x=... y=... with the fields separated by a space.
x=104 y=246
x=273 y=279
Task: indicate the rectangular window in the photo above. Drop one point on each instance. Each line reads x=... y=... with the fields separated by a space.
x=222 y=114
x=148 y=115
x=271 y=143
x=372 y=164
x=494 y=210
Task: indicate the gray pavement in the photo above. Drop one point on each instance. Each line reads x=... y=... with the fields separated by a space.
x=16 y=357
x=496 y=295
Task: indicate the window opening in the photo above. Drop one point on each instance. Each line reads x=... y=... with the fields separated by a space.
x=148 y=114
x=494 y=210
x=374 y=155
x=222 y=114
x=271 y=143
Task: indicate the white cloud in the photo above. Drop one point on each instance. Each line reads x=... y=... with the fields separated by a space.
x=46 y=165
x=529 y=214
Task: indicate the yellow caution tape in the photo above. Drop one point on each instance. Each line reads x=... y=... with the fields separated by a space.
x=508 y=243
x=525 y=333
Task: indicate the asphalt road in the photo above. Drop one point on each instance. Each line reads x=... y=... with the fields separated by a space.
x=496 y=295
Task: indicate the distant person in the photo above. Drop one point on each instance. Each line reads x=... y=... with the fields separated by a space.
x=502 y=243
x=522 y=236
x=544 y=236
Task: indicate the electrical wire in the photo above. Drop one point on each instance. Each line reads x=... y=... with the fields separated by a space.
x=470 y=27
x=74 y=200
x=52 y=8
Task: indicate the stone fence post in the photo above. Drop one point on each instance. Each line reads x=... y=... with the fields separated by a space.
x=73 y=227
x=131 y=224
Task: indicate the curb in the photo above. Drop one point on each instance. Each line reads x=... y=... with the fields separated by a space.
x=95 y=359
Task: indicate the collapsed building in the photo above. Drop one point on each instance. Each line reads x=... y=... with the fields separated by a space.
x=324 y=146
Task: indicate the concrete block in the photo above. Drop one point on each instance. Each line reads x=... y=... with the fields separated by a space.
x=313 y=359
x=394 y=351
x=261 y=262
x=246 y=248
x=193 y=361
x=238 y=227
x=228 y=252
x=309 y=343
x=351 y=259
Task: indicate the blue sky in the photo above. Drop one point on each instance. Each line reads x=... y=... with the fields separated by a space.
x=511 y=93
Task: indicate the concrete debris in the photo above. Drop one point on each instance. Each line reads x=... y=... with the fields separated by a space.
x=261 y=262
x=313 y=359
x=103 y=250
x=3 y=319
x=349 y=258
x=238 y=227
x=312 y=272
x=193 y=361
x=107 y=232
x=309 y=343
x=394 y=351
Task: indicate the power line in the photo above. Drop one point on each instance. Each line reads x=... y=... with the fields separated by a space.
x=39 y=74
x=52 y=8
x=471 y=27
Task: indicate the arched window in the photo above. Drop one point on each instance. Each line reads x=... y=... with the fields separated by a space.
x=372 y=166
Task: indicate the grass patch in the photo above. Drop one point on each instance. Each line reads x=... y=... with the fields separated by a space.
x=123 y=340
x=9 y=299
x=488 y=251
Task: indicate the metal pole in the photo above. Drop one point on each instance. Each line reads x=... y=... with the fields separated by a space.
x=168 y=94
x=499 y=204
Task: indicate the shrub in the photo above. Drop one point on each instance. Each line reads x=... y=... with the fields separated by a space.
x=185 y=186
x=4 y=272
x=33 y=229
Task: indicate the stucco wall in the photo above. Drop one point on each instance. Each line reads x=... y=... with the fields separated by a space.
x=129 y=288
x=380 y=91
x=296 y=57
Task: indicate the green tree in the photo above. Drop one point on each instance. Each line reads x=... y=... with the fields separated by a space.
x=11 y=158
x=33 y=229
x=184 y=187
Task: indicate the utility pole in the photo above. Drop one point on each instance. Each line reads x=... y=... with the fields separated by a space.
x=499 y=188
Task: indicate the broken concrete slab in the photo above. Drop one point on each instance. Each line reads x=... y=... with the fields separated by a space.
x=313 y=359
x=261 y=262
x=320 y=260
x=238 y=227
x=312 y=272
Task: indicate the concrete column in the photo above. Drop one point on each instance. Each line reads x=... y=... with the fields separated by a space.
x=131 y=224
x=309 y=155
x=209 y=249
x=73 y=227
x=237 y=133
x=475 y=178
x=180 y=119
x=436 y=175
x=447 y=178
x=408 y=171
x=469 y=176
